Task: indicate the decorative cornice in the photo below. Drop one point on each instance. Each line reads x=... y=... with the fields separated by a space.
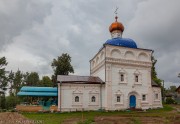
x=128 y=62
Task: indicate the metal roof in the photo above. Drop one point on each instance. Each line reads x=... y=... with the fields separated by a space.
x=38 y=89
x=79 y=79
x=37 y=93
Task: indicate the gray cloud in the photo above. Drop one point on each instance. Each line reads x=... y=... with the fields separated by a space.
x=18 y=15
x=42 y=30
x=155 y=26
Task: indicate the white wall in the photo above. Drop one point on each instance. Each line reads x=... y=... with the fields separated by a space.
x=84 y=92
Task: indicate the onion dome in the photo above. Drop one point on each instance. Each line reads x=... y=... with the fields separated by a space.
x=124 y=42
x=116 y=29
x=116 y=26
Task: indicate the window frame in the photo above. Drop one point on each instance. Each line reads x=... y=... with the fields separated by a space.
x=122 y=77
x=93 y=99
x=76 y=99
x=136 y=78
x=118 y=98
x=144 y=97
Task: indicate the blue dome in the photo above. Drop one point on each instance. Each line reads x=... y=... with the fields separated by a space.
x=124 y=42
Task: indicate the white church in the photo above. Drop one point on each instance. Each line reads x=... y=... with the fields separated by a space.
x=120 y=78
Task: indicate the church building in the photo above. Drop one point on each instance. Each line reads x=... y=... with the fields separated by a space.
x=120 y=78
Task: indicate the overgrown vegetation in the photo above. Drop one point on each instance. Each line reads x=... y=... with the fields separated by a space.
x=11 y=102
x=154 y=73
x=89 y=117
x=170 y=101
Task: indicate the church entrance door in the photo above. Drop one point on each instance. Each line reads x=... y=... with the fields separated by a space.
x=132 y=101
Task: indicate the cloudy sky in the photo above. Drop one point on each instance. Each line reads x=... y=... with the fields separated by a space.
x=33 y=32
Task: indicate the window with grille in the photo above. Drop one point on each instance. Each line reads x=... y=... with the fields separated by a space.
x=118 y=99
x=143 y=97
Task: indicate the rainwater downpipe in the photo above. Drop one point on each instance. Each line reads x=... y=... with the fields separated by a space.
x=60 y=95
x=101 y=96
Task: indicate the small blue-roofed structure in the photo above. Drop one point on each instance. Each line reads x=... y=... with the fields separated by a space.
x=124 y=42
x=37 y=91
x=39 y=98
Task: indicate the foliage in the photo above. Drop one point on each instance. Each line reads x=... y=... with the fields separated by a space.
x=11 y=101
x=170 y=101
x=25 y=78
x=3 y=77
x=62 y=65
x=31 y=79
x=154 y=76
x=172 y=89
x=166 y=108
x=11 y=82
x=46 y=82
x=2 y=101
x=18 y=80
x=154 y=73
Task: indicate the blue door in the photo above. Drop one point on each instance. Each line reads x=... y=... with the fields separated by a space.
x=132 y=102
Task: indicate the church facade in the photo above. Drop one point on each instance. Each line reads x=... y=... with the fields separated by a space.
x=120 y=78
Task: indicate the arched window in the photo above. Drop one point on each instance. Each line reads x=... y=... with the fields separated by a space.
x=122 y=77
x=93 y=99
x=136 y=78
x=118 y=98
x=77 y=99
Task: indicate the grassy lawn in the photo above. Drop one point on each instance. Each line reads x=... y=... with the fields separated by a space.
x=134 y=117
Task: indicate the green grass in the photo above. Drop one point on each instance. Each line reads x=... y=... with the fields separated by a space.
x=88 y=117
x=165 y=108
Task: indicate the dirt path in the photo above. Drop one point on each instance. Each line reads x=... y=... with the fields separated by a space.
x=13 y=118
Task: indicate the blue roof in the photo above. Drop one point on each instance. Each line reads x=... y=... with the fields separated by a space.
x=37 y=94
x=124 y=42
x=38 y=89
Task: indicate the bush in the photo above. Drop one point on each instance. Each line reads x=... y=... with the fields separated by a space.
x=2 y=101
x=170 y=101
x=11 y=102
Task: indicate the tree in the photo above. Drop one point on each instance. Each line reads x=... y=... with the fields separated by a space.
x=18 y=81
x=46 y=82
x=154 y=73
x=25 y=78
x=31 y=79
x=172 y=89
x=62 y=65
x=11 y=81
x=3 y=77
